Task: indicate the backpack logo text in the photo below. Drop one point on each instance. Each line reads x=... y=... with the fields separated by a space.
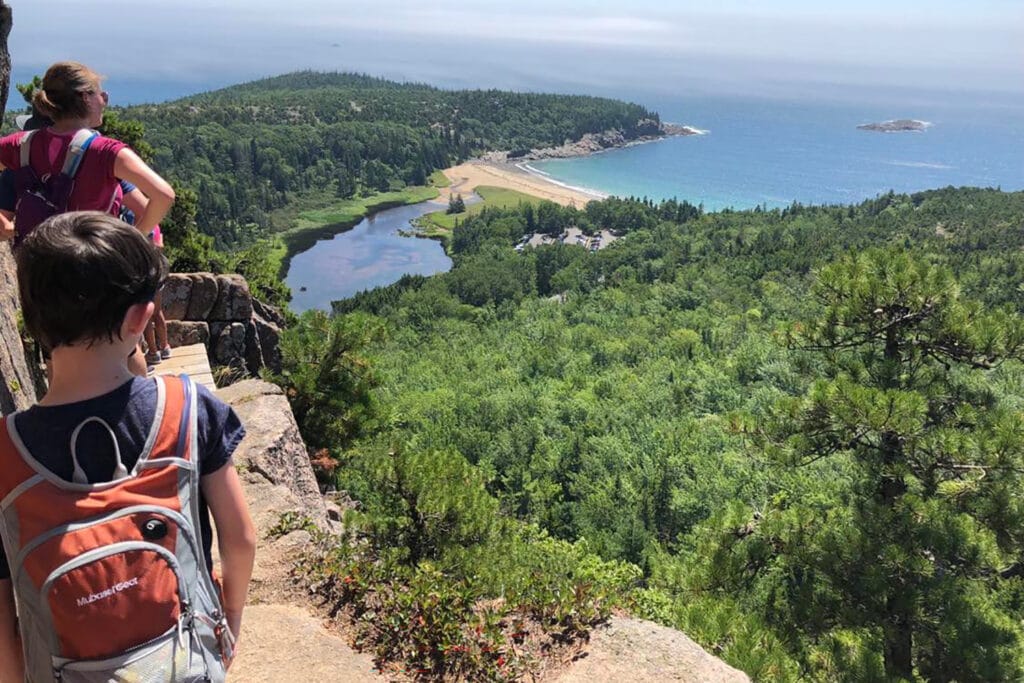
x=116 y=588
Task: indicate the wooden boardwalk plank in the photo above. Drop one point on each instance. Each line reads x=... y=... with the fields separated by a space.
x=191 y=360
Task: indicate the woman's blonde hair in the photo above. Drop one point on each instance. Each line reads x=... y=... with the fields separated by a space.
x=60 y=96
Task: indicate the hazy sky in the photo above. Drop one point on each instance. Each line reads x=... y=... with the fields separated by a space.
x=730 y=46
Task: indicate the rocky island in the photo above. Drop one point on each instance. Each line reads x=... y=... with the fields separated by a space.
x=896 y=126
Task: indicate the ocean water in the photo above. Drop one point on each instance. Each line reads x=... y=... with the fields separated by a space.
x=768 y=152
x=755 y=152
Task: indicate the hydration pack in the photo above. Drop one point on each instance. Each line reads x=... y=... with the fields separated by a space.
x=39 y=198
x=110 y=578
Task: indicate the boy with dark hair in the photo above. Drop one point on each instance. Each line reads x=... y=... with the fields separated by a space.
x=120 y=474
x=80 y=280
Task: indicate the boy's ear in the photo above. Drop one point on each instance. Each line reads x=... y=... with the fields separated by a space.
x=135 y=319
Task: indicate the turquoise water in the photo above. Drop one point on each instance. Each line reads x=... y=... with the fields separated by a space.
x=770 y=152
x=756 y=152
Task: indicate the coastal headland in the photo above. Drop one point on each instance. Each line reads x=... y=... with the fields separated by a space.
x=512 y=171
x=592 y=143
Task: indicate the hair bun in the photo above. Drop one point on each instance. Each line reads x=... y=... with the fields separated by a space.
x=60 y=96
x=42 y=104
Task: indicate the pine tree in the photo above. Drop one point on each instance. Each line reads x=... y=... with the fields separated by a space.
x=930 y=529
x=456 y=204
x=328 y=381
x=345 y=186
x=128 y=131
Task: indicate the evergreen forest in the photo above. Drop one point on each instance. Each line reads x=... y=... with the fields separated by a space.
x=796 y=435
x=250 y=150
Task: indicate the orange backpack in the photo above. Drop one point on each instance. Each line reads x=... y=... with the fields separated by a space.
x=110 y=578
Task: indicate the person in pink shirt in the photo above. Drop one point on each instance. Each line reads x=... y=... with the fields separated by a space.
x=71 y=95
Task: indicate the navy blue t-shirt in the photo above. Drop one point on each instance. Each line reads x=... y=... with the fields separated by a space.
x=129 y=410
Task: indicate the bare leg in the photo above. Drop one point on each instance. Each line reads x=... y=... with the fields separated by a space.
x=159 y=324
x=151 y=346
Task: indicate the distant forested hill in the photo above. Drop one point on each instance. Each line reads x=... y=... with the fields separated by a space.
x=251 y=148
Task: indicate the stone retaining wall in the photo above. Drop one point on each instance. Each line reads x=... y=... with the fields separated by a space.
x=219 y=311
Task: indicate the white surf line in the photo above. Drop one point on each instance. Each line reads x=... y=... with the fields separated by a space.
x=546 y=177
x=921 y=164
x=693 y=130
x=525 y=166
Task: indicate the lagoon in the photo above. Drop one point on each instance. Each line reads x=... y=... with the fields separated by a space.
x=371 y=254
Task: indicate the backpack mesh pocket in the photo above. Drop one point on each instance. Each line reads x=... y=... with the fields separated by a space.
x=167 y=660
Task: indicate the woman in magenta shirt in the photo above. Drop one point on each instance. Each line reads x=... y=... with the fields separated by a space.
x=71 y=95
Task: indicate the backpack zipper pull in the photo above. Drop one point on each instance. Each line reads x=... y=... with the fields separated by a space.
x=186 y=615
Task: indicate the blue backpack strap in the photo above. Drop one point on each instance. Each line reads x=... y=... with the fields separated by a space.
x=76 y=150
x=25 y=147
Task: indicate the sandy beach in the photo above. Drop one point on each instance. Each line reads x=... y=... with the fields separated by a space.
x=470 y=175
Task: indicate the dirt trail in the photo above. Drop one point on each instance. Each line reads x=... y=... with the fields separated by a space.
x=286 y=643
x=283 y=641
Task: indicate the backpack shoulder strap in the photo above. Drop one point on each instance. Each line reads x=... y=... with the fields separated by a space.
x=176 y=431
x=25 y=147
x=76 y=150
x=187 y=422
x=113 y=200
x=14 y=470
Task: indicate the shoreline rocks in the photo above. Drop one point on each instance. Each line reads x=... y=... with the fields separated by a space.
x=592 y=143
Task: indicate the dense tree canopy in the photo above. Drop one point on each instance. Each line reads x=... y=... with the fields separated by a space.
x=802 y=425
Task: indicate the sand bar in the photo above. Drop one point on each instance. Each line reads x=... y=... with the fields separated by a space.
x=468 y=176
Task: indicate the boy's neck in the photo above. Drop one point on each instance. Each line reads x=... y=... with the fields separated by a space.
x=81 y=372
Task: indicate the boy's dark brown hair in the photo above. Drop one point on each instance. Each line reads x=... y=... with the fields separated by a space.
x=80 y=272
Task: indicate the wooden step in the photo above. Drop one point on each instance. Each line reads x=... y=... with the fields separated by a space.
x=190 y=360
